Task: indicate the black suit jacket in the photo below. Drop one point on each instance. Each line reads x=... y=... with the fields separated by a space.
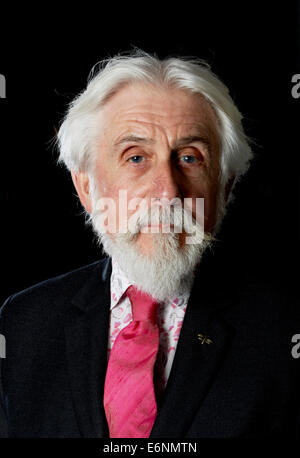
x=245 y=383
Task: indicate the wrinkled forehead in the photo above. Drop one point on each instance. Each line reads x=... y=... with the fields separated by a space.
x=148 y=106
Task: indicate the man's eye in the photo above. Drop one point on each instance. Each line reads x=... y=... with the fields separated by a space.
x=188 y=159
x=135 y=159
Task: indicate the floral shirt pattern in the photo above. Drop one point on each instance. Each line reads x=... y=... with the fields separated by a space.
x=170 y=319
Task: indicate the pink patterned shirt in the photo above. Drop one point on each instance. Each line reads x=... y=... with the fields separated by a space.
x=170 y=318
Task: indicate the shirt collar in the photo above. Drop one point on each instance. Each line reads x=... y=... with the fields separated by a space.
x=119 y=284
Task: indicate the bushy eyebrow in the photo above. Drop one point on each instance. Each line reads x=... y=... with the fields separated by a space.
x=133 y=139
x=191 y=139
x=178 y=143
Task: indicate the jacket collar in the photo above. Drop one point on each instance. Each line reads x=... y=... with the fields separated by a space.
x=86 y=332
x=91 y=291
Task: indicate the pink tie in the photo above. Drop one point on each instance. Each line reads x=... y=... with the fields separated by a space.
x=129 y=396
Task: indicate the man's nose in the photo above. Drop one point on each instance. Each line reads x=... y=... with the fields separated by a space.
x=165 y=183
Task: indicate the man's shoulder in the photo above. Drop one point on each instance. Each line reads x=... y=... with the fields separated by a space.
x=56 y=290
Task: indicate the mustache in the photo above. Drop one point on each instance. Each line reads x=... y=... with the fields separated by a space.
x=174 y=218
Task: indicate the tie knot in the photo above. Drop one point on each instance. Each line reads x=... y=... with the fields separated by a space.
x=144 y=306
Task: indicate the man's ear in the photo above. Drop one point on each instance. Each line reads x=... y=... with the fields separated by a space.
x=82 y=185
x=228 y=187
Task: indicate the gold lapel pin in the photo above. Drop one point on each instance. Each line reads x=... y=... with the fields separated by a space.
x=204 y=339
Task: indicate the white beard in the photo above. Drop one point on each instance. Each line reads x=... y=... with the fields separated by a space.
x=169 y=269
x=168 y=272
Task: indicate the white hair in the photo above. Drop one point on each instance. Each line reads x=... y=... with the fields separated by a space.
x=79 y=131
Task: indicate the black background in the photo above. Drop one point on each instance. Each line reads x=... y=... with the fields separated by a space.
x=46 y=60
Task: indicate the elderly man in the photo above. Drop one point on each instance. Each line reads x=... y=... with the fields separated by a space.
x=158 y=339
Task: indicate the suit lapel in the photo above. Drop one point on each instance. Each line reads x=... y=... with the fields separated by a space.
x=86 y=335
x=196 y=362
